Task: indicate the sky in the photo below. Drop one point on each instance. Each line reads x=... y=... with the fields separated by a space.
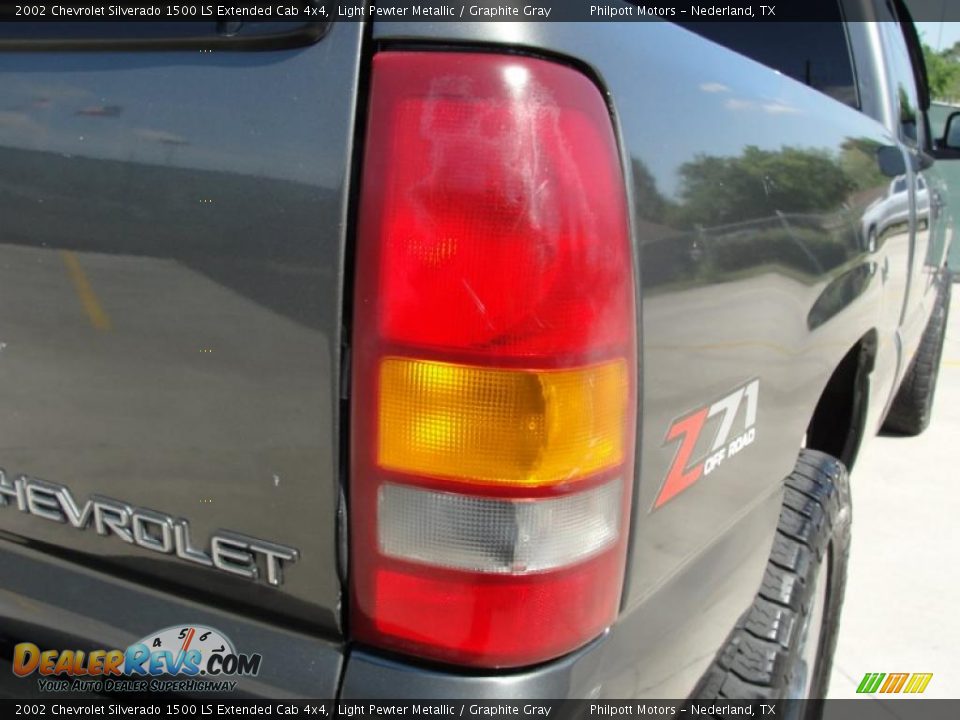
x=939 y=35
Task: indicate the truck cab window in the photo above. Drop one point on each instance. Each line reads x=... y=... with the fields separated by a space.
x=814 y=53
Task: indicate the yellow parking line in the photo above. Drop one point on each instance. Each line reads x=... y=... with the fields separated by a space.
x=96 y=314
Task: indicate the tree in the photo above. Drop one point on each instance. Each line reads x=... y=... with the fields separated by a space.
x=943 y=72
x=757 y=183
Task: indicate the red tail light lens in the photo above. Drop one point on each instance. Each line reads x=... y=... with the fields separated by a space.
x=494 y=355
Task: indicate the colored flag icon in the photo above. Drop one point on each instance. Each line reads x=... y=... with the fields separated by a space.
x=914 y=683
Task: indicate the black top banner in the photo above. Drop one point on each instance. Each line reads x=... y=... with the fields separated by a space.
x=472 y=11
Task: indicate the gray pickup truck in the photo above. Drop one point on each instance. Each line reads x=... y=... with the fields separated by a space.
x=361 y=358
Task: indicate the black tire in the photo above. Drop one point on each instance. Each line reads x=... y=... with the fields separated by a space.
x=763 y=657
x=910 y=412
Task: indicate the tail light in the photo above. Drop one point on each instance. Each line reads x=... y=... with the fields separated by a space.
x=494 y=362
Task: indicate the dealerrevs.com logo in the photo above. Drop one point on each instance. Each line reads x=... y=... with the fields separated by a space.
x=190 y=658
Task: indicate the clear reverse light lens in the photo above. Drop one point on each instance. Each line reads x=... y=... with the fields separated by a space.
x=486 y=535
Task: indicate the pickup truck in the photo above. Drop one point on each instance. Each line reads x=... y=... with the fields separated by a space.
x=411 y=359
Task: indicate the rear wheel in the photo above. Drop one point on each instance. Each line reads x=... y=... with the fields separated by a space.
x=782 y=647
x=910 y=412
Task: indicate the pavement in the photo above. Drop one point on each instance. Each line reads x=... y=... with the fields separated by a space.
x=900 y=612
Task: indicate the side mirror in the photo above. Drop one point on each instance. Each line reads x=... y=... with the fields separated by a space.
x=891 y=162
x=951 y=134
x=948 y=146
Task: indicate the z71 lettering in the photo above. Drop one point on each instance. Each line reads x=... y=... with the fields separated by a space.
x=682 y=473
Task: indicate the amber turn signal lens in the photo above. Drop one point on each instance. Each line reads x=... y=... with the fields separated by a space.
x=511 y=427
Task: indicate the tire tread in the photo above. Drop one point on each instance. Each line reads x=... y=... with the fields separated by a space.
x=757 y=657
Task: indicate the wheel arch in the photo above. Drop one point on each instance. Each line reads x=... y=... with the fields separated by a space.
x=838 y=423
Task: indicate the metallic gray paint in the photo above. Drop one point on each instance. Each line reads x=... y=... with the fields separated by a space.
x=259 y=279
x=171 y=258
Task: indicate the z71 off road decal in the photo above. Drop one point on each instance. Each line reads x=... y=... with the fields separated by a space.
x=685 y=433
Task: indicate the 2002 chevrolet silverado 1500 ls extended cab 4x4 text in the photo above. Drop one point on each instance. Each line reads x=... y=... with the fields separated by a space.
x=457 y=360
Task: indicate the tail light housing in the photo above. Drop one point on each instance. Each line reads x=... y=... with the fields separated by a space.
x=494 y=382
